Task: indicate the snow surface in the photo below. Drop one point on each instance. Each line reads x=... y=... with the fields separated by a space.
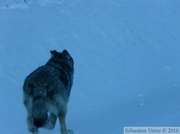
x=126 y=53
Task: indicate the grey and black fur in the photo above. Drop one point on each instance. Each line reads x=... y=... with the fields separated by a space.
x=46 y=93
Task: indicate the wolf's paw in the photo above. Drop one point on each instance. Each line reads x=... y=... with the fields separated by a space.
x=70 y=131
x=34 y=130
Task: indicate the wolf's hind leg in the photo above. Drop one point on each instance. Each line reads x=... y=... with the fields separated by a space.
x=32 y=128
x=51 y=121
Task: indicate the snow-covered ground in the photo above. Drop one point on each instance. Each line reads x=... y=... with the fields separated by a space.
x=126 y=53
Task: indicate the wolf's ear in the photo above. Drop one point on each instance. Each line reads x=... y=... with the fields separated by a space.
x=54 y=52
x=66 y=54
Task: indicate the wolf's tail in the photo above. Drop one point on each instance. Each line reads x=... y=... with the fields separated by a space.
x=39 y=107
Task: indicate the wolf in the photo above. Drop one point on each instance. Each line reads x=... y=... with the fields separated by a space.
x=46 y=92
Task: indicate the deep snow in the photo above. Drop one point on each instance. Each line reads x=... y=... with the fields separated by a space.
x=126 y=53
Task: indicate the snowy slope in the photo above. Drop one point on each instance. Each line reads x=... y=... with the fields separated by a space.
x=126 y=53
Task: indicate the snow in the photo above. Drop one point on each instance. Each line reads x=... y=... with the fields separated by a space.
x=126 y=53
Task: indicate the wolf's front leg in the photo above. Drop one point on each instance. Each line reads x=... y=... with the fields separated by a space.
x=32 y=128
x=62 y=117
x=62 y=120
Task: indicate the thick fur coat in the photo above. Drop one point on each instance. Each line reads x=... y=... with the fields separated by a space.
x=46 y=92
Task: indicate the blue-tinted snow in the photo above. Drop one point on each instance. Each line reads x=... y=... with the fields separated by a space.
x=126 y=53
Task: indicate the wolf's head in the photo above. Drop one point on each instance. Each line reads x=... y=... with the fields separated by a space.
x=63 y=59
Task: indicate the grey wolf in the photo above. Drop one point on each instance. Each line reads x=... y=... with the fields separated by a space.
x=46 y=93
